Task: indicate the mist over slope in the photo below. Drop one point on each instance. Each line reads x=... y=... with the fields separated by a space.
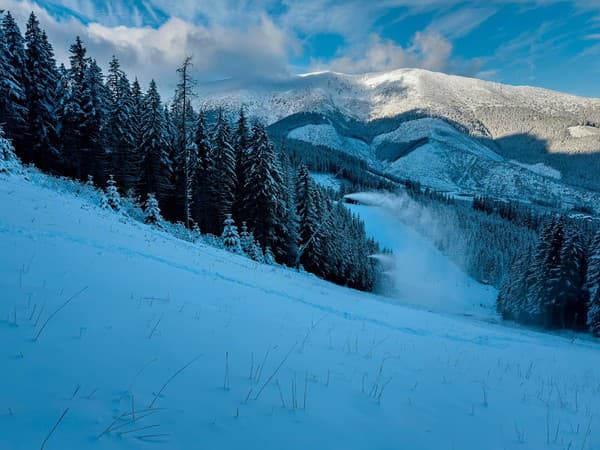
x=451 y=133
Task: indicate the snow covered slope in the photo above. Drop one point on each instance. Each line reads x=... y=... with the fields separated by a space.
x=454 y=123
x=145 y=341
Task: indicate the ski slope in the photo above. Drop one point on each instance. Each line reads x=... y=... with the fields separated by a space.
x=166 y=344
x=421 y=275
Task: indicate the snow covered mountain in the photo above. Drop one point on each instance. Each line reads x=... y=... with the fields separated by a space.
x=116 y=335
x=451 y=133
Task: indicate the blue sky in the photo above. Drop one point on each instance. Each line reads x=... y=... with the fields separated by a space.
x=547 y=43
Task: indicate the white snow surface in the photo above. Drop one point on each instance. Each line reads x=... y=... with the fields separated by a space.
x=378 y=95
x=325 y=134
x=367 y=373
x=540 y=169
x=581 y=131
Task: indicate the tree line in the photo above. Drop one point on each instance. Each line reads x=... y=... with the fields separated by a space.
x=213 y=175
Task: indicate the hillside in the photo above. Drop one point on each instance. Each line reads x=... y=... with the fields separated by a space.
x=448 y=132
x=146 y=341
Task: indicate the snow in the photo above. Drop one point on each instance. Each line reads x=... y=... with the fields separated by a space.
x=326 y=135
x=581 y=131
x=145 y=304
x=422 y=276
x=541 y=169
x=327 y=180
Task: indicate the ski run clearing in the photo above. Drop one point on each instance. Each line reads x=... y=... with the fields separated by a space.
x=115 y=335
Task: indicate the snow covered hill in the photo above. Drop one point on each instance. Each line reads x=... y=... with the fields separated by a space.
x=451 y=133
x=115 y=335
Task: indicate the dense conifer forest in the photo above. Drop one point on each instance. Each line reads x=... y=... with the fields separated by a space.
x=215 y=176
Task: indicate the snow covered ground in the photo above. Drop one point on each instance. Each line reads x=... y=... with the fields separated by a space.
x=277 y=359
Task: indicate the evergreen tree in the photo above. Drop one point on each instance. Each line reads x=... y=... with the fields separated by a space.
x=263 y=188
x=223 y=179
x=593 y=285
x=308 y=220
x=230 y=236
x=242 y=164
x=593 y=318
x=9 y=163
x=111 y=199
x=155 y=174
x=13 y=108
x=93 y=105
x=72 y=115
x=203 y=210
x=152 y=213
x=246 y=239
x=256 y=253
x=41 y=78
x=120 y=135
x=572 y=303
x=269 y=257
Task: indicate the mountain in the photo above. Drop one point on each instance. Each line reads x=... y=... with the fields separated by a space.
x=451 y=133
x=117 y=335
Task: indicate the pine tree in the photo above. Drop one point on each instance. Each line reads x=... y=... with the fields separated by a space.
x=93 y=105
x=256 y=253
x=223 y=179
x=269 y=257
x=9 y=163
x=111 y=199
x=120 y=134
x=592 y=278
x=152 y=213
x=308 y=214
x=593 y=318
x=246 y=239
x=41 y=78
x=13 y=107
x=230 y=236
x=72 y=115
x=263 y=188
x=572 y=303
x=203 y=210
x=155 y=171
x=242 y=163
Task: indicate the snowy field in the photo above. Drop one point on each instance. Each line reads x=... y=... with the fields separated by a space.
x=164 y=344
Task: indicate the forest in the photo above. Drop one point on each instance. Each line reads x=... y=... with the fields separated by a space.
x=215 y=176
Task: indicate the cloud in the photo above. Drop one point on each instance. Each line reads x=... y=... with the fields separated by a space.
x=460 y=22
x=427 y=50
x=257 y=50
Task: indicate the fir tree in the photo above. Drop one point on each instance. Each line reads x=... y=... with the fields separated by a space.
x=230 y=236
x=269 y=257
x=152 y=213
x=263 y=187
x=41 y=78
x=155 y=173
x=72 y=116
x=13 y=108
x=242 y=164
x=246 y=239
x=203 y=210
x=308 y=220
x=593 y=285
x=9 y=163
x=120 y=134
x=111 y=199
x=223 y=178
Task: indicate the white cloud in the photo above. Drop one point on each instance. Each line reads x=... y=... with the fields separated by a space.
x=259 y=49
x=428 y=50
